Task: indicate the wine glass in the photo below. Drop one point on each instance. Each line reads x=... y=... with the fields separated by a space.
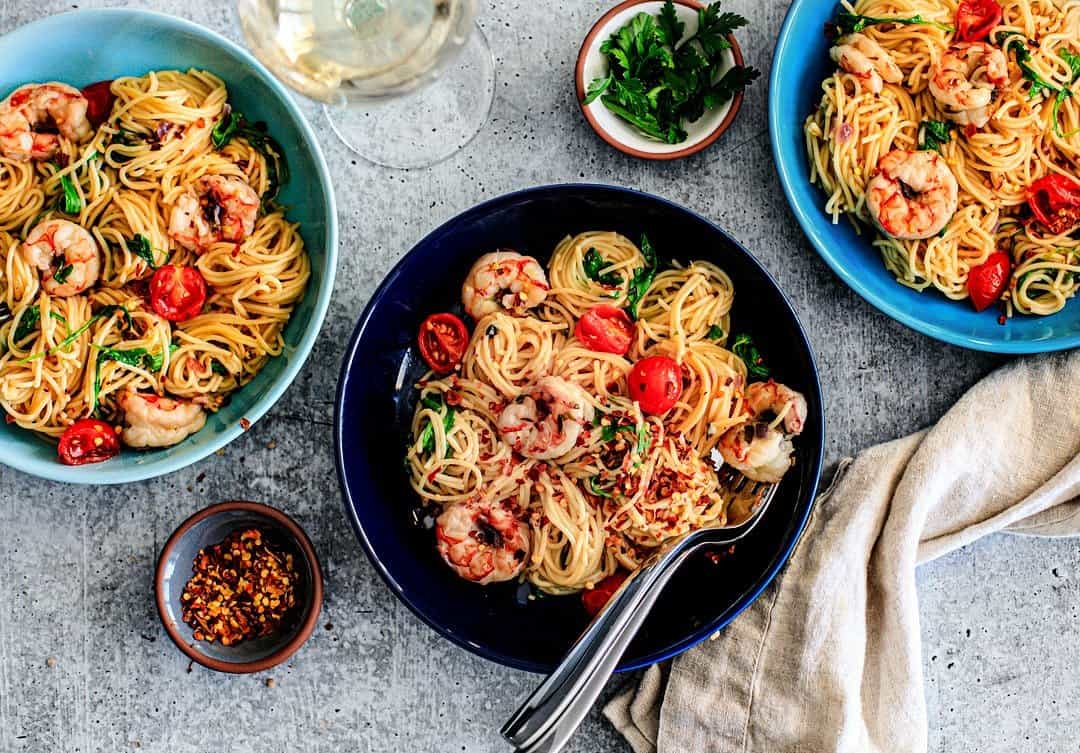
x=406 y=83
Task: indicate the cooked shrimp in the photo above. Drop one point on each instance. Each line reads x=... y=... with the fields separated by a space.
x=66 y=254
x=546 y=421
x=867 y=60
x=31 y=109
x=215 y=208
x=504 y=281
x=913 y=194
x=482 y=542
x=153 y=421
x=780 y=400
x=756 y=450
x=966 y=79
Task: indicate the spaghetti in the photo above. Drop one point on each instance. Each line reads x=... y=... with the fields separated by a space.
x=539 y=453
x=998 y=105
x=164 y=272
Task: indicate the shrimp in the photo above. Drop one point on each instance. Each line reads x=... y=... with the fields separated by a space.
x=54 y=240
x=32 y=110
x=779 y=399
x=153 y=421
x=867 y=60
x=546 y=421
x=758 y=448
x=504 y=280
x=913 y=195
x=482 y=542
x=214 y=208
x=966 y=79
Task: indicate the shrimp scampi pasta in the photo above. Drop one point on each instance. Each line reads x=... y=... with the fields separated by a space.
x=952 y=132
x=582 y=422
x=146 y=269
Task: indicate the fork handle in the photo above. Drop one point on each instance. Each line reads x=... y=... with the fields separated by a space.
x=550 y=715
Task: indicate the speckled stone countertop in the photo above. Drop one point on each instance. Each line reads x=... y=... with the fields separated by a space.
x=85 y=665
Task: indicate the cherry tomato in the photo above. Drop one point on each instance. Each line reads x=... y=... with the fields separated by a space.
x=605 y=329
x=655 y=383
x=594 y=600
x=976 y=18
x=88 y=441
x=443 y=339
x=987 y=281
x=1055 y=202
x=177 y=293
x=99 y=101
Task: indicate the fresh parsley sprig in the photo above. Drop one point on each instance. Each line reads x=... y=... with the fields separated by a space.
x=658 y=81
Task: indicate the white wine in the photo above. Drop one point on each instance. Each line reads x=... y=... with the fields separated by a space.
x=339 y=51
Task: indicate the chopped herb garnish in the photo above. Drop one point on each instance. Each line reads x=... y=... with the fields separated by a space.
x=745 y=349
x=69 y=202
x=657 y=84
x=716 y=332
x=1015 y=40
x=597 y=490
x=644 y=436
x=140 y=246
x=427 y=436
x=104 y=313
x=934 y=133
x=218 y=368
x=593 y=263
x=62 y=273
x=28 y=323
x=642 y=279
x=137 y=358
x=853 y=23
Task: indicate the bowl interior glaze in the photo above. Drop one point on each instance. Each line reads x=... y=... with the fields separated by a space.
x=375 y=402
x=93 y=45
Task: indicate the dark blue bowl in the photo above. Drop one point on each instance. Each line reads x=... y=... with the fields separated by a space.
x=374 y=409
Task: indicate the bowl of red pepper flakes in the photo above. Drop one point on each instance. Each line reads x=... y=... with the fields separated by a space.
x=239 y=587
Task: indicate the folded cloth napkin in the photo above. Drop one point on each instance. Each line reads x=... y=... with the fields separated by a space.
x=827 y=659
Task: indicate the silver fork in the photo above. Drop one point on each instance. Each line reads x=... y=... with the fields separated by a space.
x=550 y=715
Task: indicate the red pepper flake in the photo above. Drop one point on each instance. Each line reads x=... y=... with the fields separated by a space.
x=1001 y=320
x=241 y=588
x=245 y=424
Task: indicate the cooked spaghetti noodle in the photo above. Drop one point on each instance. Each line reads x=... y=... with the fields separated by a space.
x=631 y=481
x=73 y=354
x=1031 y=130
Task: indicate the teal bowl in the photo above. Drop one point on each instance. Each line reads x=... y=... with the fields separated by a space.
x=92 y=45
x=800 y=62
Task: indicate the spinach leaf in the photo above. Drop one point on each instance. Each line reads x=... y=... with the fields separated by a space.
x=1064 y=93
x=140 y=246
x=28 y=323
x=1015 y=41
x=745 y=349
x=593 y=262
x=427 y=436
x=716 y=332
x=853 y=23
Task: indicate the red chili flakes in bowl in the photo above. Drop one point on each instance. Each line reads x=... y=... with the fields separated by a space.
x=242 y=588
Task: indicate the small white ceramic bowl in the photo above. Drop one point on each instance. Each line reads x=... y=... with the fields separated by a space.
x=591 y=64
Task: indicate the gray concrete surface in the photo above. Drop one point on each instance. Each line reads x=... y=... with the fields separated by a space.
x=76 y=563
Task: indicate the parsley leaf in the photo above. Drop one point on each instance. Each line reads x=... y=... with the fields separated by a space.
x=593 y=263
x=934 y=133
x=745 y=349
x=716 y=332
x=658 y=80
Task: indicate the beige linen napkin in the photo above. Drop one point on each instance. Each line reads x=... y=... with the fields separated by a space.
x=827 y=659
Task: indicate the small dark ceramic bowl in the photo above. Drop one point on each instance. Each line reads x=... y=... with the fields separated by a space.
x=375 y=403
x=210 y=526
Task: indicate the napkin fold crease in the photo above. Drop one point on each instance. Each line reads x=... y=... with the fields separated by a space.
x=828 y=658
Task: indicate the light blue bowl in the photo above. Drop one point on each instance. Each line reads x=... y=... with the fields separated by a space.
x=800 y=62
x=84 y=46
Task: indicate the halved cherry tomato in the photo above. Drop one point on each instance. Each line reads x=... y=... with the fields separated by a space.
x=987 y=281
x=655 y=383
x=88 y=440
x=605 y=329
x=975 y=19
x=177 y=293
x=1055 y=202
x=99 y=101
x=443 y=339
x=595 y=599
